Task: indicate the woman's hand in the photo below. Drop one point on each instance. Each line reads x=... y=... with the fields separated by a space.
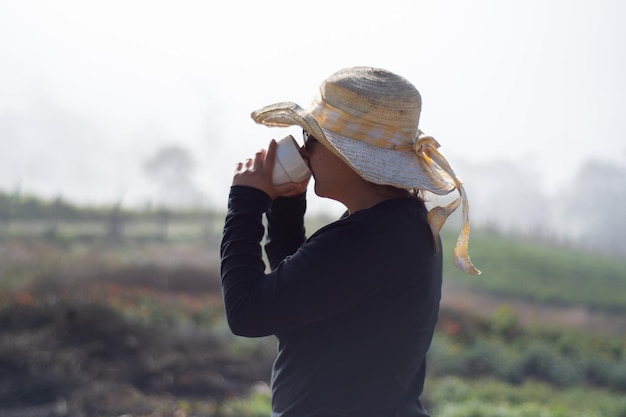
x=257 y=173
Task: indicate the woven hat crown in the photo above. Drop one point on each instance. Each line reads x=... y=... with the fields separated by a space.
x=376 y=96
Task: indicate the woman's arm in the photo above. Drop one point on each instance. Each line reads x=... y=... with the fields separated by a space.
x=330 y=273
x=285 y=228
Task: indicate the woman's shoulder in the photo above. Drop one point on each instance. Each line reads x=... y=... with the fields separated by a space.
x=387 y=217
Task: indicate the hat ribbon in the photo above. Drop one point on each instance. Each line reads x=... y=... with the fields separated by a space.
x=357 y=126
x=426 y=148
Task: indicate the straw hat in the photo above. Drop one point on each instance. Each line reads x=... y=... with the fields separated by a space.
x=369 y=118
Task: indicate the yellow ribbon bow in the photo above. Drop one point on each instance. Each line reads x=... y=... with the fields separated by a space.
x=426 y=148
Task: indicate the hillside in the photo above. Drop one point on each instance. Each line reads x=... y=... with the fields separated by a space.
x=544 y=284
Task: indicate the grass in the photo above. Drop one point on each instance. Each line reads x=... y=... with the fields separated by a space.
x=542 y=272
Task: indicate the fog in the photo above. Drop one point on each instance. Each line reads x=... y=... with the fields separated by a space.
x=584 y=211
x=526 y=98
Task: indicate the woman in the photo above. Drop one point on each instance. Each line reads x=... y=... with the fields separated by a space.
x=354 y=306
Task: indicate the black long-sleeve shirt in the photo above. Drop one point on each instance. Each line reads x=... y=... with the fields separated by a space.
x=353 y=307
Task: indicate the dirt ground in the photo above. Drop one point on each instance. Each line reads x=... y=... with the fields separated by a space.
x=532 y=313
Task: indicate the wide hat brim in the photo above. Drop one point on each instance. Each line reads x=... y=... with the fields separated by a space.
x=401 y=168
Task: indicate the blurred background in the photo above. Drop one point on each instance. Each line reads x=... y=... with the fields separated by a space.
x=527 y=99
x=120 y=126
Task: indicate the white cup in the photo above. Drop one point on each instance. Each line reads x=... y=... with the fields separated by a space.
x=289 y=166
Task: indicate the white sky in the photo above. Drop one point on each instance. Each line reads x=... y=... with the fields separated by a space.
x=90 y=89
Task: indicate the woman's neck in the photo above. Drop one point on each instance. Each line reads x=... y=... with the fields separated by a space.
x=367 y=195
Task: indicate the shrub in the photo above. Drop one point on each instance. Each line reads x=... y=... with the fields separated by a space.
x=455 y=397
x=617 y=376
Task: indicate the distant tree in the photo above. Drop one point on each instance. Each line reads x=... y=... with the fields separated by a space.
x=8 y=206
x=116 y=222
x=171 y=168
x=594 y=206
x=505 y=196
x=55 y=214
x=163 y=221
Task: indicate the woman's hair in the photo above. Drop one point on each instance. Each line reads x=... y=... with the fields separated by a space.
x=390 y=190
x=416 y=193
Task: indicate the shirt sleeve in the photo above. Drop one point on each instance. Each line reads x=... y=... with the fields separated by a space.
x=240 y=250
x=285 y=228
x=329 y=273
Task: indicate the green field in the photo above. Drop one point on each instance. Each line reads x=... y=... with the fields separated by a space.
x=540 y=272
x=134 y=326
